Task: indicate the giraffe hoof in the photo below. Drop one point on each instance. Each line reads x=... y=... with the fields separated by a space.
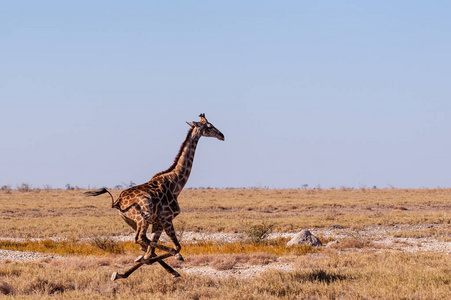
x=179 y=257
x=114 y=276
x=140 y=258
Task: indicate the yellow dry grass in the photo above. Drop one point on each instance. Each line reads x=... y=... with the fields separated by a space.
x=70 y=214
x=106 y=246
x=333 y=276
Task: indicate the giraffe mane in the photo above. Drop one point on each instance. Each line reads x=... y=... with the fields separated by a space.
x=177 y=157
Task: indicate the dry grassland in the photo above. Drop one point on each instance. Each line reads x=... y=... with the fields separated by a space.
x=329 y=276
x=70 y=214
x=355 y=268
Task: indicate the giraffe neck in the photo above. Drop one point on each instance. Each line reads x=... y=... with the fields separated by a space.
x=178 y=173
x=184 y=163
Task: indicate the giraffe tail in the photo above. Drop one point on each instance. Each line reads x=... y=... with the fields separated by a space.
x=116 y=204
x=98 y=192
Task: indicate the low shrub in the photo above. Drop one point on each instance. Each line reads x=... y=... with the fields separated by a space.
x=109 y=245
x=258 y=234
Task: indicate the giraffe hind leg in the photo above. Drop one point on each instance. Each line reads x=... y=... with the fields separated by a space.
x=157 y=229
x=137 y=230
x=141 y=237
x=149 y=246
x=127 y=273
x=151 y=258
x=158 y=259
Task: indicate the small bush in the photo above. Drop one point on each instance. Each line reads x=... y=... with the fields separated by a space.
x=70 y=187
x=5 y=288
x=6 y=189
x=321 y=276
x=47 y=187
x=48 y=287
x=181 y=229
x=107 y=244
x=24 y=187
x=257 y=234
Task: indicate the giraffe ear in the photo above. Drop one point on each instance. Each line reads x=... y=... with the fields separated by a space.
x=190 y=124
x=203 y=120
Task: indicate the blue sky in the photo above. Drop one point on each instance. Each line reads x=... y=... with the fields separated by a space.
x=329 y=93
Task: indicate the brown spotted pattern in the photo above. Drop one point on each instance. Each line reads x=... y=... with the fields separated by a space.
x=155 y=202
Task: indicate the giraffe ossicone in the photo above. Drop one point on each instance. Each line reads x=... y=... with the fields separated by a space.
x=155 y=202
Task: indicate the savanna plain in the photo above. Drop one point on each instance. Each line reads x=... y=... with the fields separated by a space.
x=377 y=244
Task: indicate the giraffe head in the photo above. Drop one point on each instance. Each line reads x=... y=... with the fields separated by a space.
x=205 y=128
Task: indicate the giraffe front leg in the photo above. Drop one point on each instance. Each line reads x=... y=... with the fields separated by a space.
x=169 y=229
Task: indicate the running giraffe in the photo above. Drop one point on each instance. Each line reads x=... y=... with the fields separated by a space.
x=155 y=202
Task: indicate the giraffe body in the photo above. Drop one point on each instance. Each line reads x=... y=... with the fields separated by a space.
x=155 y=202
